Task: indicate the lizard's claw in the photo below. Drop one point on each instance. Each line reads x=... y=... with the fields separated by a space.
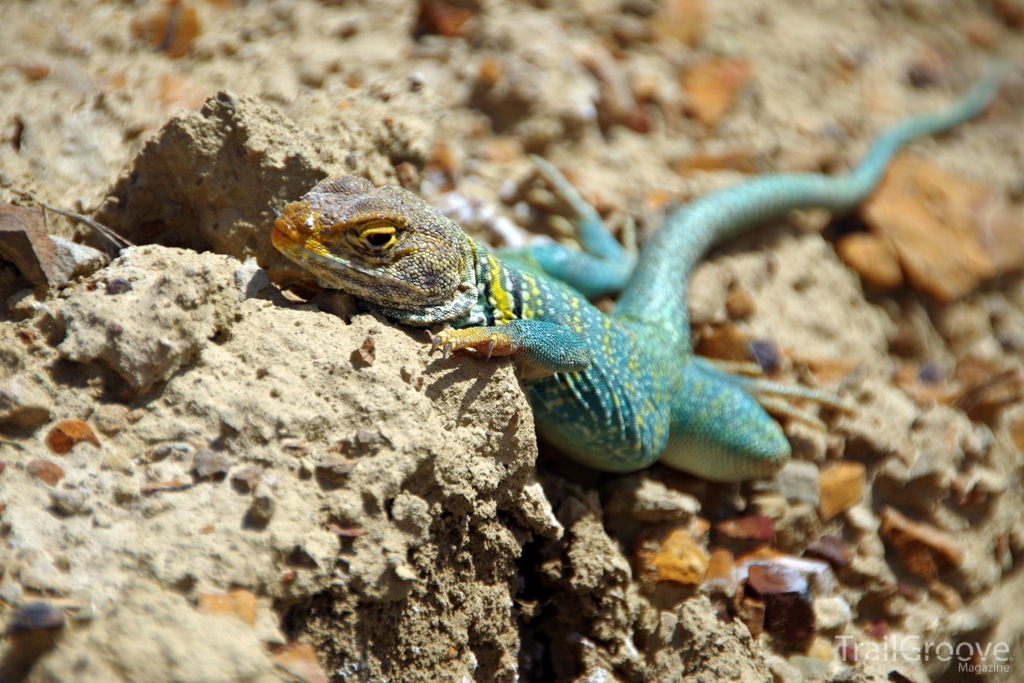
x=483 y=340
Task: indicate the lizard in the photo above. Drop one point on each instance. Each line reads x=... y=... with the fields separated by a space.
x=616 y=392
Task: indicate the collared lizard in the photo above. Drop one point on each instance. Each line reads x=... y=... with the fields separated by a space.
x=616 y=392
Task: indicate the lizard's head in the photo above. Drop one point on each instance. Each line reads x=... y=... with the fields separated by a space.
x=384 y=245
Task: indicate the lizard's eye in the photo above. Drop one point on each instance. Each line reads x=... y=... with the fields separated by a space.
x=378 y=237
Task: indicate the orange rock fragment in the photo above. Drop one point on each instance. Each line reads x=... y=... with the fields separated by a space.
x=921 y=547
x=66 y=433
x=721 y=576
x=675 y=557
x=742 y=160
x=1010 y=11
x=873 y=257
x=725 y=341
x=829 y=370
x=747 y=528
x=983 y=402
x=682 y=20
x=46 y=470
x=656 y=199
x=711 y=87
x=300 y=660
x=170 y=28
x=441 y=18
x=951 y=234
x=34 y=69
x=237 y=603
x=739 y=303
x=841 y=488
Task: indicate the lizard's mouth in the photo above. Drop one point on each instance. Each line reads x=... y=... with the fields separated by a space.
x=295 y=236
x=282 y=239
x=279 y=238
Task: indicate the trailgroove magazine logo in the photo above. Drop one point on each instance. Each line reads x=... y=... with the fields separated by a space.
x=970 y=657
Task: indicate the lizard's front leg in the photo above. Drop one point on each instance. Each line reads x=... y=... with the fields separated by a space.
x=539 y=348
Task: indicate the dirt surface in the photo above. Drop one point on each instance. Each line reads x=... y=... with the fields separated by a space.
x=211 y=471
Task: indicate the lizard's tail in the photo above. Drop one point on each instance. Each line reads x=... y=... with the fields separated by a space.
x=656 y=293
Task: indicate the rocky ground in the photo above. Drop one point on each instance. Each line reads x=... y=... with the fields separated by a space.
x=212 y=471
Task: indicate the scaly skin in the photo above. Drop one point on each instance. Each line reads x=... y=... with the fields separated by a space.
x=614 y=392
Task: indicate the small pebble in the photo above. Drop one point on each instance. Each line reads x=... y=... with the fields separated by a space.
x=788 y=607
x=712 y=86
x=675 y=557
x=346 y=531
x=46 y=470
x=210 y=465
x=921 y=547
x=721 y=577
x=751 y=613
x=35 y=616
x=69 y=501
x=841 y=487
x=832 y=549
x=334 y=470
x=118 y=286
x=440 y=18
x=263 y=506
x=365 y=354
x=739 y=303
x=245 y=479
x=766 y=353
x=66 y=433
x=111 y=418
x=368 y=437
x=295 y=446
x=748 y=528
x=177 y=448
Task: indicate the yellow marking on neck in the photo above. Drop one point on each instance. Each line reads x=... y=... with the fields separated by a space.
x=502 y=300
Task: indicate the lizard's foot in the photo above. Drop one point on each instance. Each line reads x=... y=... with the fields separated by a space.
x=539 y=348
x=774 y=397
x=602 y=267
x=490 y=341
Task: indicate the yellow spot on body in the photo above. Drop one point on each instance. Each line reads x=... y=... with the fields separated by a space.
x=500 y=299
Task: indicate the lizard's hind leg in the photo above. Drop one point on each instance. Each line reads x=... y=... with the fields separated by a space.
x=603 y=267
x=772 y=396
